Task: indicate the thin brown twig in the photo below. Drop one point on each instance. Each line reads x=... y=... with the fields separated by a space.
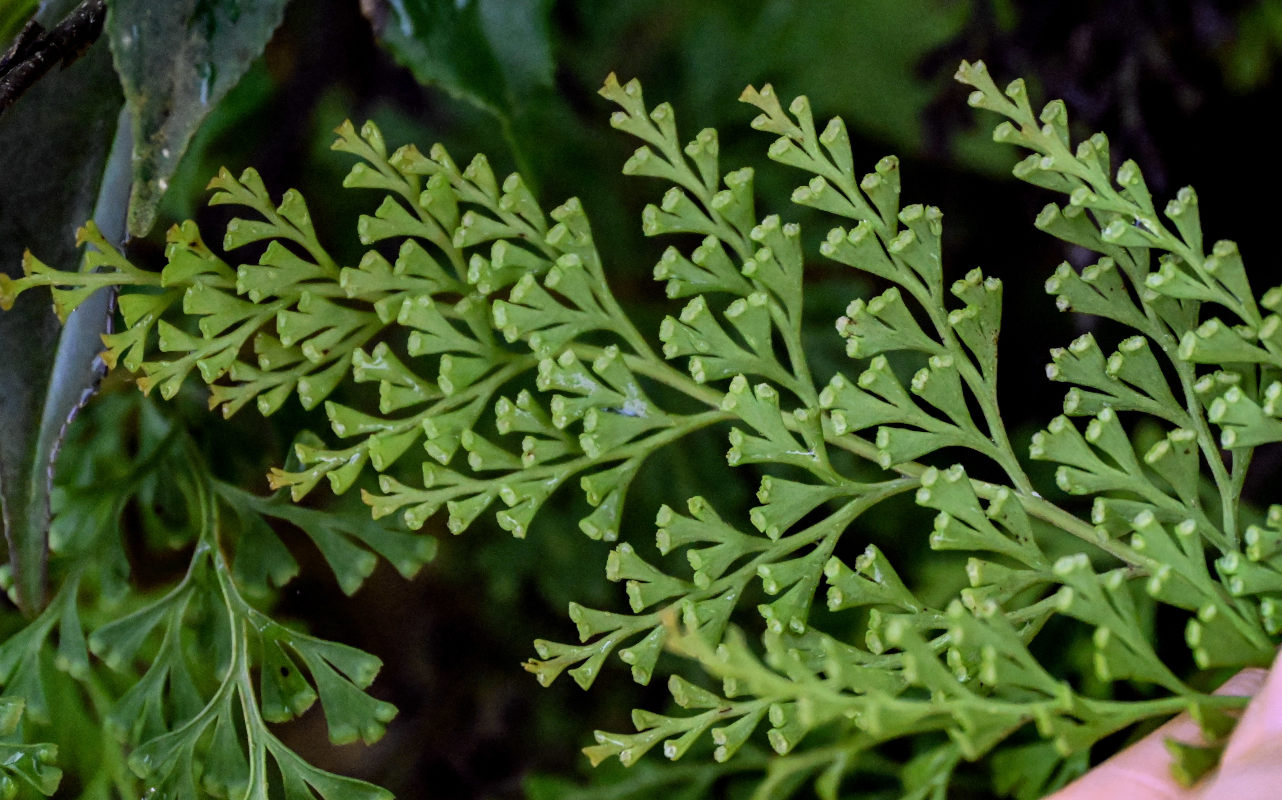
x=35 y=50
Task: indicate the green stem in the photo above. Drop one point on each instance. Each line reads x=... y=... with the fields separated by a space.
x=638 y=447
x=789 y=326
x=1208 y=445
x=659 y=370
x=1103 y=187
x=1043 y=509
x=1129 y=712
x=1033 y=503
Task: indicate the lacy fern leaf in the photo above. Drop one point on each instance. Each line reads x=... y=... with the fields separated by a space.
x=507 y=368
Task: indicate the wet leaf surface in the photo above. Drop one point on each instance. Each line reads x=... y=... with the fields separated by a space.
x=57 y=139
x=493 y=53
x=176 y=61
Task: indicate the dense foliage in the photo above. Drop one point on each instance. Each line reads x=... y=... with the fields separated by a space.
x=480 y=360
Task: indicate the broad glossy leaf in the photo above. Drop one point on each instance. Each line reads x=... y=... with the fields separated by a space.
x=489 y=52
x=56 y=143
x=176 y=61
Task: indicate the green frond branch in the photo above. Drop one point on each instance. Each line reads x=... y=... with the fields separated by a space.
x=516 y=215
x=341 y=467
x=1032 y=502
x=1126 y=218
x=436 y=204
x=233 y=762
x=1125 y=229
x=769 y=251
x=187 y=707
x=573 y=234
x=1228 y=485
x=46 y=658
x=350 y=547
x=793 y=702
x=289 y=220
x=707 y=602
x=210 y=355
x=260 y=742
x=626 y=329
x=975 y=716
x=256 y=733
x=661 y=371
x=913 y=251
x=1092 y=162
x=23 y=705
x=1036 y=505
x=723 y=209
x=1041 y=508
x=524 y=485
x=1219 y=273
x=102 y=266
x=227 y=325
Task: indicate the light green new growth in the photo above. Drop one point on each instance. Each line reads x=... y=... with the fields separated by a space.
x=499 y=349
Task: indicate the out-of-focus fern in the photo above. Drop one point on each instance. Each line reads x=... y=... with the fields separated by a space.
x=183 y=681
x=498 y=347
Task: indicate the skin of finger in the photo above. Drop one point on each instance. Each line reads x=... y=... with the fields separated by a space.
x=1257 y=775
x=1143 y=770
x=1260 y=729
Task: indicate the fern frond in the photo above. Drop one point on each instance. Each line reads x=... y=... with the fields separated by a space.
x=499 y=349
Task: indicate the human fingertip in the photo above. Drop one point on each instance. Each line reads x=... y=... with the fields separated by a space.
x=1261 y=723
x=1247 y=683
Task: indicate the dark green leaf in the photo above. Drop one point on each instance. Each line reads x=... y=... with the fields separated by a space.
x=298 y=776
x=493 y=53
x=56 y=139
x=176 y=61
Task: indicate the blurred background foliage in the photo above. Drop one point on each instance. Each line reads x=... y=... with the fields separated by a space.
x=1183 y=88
